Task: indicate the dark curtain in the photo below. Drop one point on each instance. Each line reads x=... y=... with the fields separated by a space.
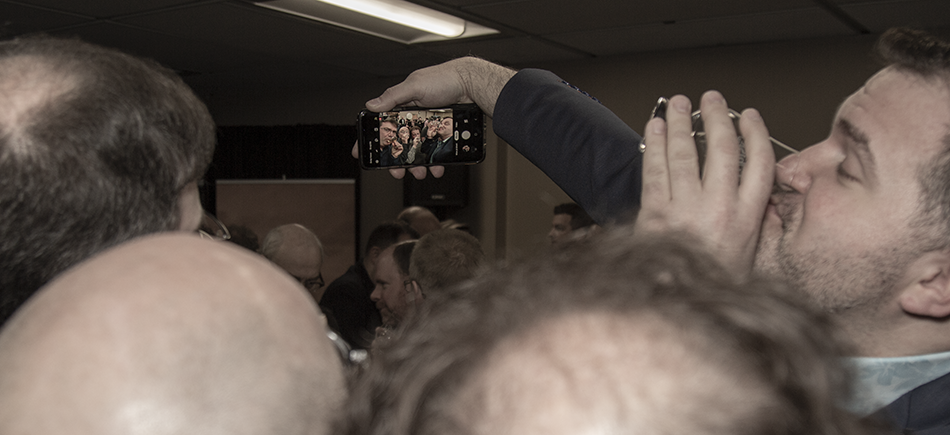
x=276 y=152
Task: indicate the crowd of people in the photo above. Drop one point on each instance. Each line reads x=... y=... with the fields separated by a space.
x=416 y=141
x=809 y=296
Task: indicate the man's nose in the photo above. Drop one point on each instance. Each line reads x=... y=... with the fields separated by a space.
x=376 y=295
x=789 y=174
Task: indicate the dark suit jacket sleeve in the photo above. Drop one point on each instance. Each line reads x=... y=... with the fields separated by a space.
x=924 y=410
x=583 y=146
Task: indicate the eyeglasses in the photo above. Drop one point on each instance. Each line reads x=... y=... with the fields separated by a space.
x=212 y=229
x=699 y=135
x=312 y=284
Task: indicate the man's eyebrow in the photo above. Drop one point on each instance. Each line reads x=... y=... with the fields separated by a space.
x=860 y=142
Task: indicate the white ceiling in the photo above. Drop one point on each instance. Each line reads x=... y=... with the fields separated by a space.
x=233 y=42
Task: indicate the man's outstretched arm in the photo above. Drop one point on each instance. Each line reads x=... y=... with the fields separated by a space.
x=459 y=81
x=585 y=148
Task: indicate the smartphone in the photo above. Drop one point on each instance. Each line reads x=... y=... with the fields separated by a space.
x=413 y=136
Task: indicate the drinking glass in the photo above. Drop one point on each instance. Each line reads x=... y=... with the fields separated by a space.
x=699 y=136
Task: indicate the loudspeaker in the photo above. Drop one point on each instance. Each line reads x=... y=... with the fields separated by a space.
x=449 y=191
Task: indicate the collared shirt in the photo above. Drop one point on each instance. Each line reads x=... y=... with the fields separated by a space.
x=880 y=381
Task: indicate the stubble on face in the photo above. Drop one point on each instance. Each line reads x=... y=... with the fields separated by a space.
x=849 y=232
x=833 y=276
x=386 y=315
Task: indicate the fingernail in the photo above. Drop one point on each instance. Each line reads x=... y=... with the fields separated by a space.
x=680 y=104
x=752 y=114
x=373 y=102
x=716 y=97
x=658 y=127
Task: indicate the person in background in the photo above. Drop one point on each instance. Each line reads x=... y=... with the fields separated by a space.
x=442 y=259
x=570 y=222
x=414 y=154
x=347 y=302
x=297 y=250
x=421 y=219
x=390 y=148
x=394 y=298
x=443 y=150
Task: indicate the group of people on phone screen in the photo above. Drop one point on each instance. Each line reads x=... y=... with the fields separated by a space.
x=417 y=142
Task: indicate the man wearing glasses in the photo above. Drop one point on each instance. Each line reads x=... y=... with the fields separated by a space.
x=859 y=222
x=298 y=251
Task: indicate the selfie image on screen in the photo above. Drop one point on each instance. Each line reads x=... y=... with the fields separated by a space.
x=419 y=137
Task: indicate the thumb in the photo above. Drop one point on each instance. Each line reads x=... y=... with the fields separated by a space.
x=396 y=95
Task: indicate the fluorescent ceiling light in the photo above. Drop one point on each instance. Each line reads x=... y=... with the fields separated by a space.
x=397 y=20
x=407 y=14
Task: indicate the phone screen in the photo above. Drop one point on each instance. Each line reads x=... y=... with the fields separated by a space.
x=421 y=137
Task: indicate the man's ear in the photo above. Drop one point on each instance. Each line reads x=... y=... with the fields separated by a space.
x=416 y=290
x=373 y=254
x=928 y=291
x=189 y=207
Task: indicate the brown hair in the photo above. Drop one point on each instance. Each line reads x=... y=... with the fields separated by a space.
x=444 y=258
x=101 y=159
x=769 y=336
x=928 y=56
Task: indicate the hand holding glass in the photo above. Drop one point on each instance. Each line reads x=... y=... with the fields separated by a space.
x=699 y=136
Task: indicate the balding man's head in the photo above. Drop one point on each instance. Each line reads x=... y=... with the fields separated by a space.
x=96 y=147
x=169 y=335
x=600 y=372
x=420 y=219
x=298 y=251
x=607 y=336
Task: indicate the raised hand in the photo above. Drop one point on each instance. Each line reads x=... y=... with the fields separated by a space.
x=722 y=210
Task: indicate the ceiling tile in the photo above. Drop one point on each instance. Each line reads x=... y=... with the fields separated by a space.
x=18 y=20
x=510 y=51
x=706 y=32
x=393 y=63
x=106 y=8
x=274 y=76
x=878 y=16
x=541 y=17
x=182 y=54
x=265 y=31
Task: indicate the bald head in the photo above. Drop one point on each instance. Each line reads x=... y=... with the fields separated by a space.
x=420 y=219
x=169 y=335
x=298 y=251
x=31 y=82
x=571 y=374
